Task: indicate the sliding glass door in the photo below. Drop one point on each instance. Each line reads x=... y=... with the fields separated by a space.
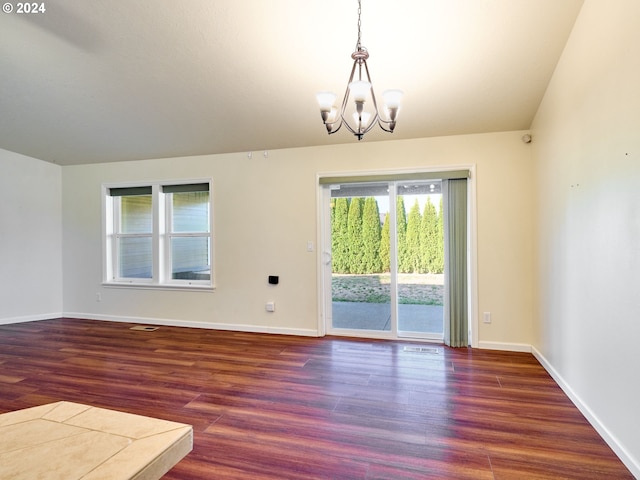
x=384 y=259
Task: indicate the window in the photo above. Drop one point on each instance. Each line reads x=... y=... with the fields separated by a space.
x=188 y=228
x=158 y=235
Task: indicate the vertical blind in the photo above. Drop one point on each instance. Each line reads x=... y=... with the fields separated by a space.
x=456 y=311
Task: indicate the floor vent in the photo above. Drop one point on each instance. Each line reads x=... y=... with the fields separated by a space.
x=144 y=328
x=421 y=350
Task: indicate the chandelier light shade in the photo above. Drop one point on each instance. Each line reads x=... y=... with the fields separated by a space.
x=359 y=99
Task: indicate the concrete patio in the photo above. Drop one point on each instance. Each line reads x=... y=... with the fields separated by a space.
x=377 y=316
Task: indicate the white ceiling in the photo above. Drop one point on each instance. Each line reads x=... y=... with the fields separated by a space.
x=111 y=80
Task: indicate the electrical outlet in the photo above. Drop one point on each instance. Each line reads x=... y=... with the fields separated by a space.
x=98 y=297
x=270 y=306
x=487 y=317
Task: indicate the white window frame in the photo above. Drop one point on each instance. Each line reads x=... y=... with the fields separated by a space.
x=161 y=238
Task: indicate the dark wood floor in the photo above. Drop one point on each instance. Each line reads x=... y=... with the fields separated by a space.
x=279 y=407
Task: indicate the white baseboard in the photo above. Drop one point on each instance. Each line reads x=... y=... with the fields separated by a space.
x=630 y=462
x=184 y=323
x=30 y=318
x=508 y=347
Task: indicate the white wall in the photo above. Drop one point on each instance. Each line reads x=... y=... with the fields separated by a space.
x=587 y=155
x=265 y=212
x=30 y=239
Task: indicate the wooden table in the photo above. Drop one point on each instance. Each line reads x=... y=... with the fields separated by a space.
x=70 y=441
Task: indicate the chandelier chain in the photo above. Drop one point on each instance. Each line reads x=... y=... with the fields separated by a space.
x=359 y=45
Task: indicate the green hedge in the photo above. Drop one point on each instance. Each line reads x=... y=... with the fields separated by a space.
x=360 y=244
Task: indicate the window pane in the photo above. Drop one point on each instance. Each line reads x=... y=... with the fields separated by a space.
x=135 y=257
x=360 y=280
x=190 y=258
x=191 y=212
x=420 y=275
x=136 y=214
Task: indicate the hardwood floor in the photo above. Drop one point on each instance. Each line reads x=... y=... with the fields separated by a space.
x=279 y=407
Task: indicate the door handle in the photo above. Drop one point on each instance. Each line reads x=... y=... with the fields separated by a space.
x=327 y=258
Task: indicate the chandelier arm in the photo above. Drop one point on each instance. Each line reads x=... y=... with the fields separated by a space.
x=345 y=100
x=378 y=118
x=339 y=127
x=357 y=133
x=366 y=69
x=372 y=123
x=376 y=115
x=380 y=124
x=340 y=120
x=346 y=92
x=350 y=128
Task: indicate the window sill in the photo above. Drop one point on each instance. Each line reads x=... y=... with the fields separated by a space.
x=155 y=286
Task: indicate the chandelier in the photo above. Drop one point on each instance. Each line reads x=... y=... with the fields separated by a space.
x=361 y=91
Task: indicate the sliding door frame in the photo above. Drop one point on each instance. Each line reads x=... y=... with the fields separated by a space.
x=324 y=250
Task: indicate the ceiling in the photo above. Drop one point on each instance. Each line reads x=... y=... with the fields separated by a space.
x=92 y=81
